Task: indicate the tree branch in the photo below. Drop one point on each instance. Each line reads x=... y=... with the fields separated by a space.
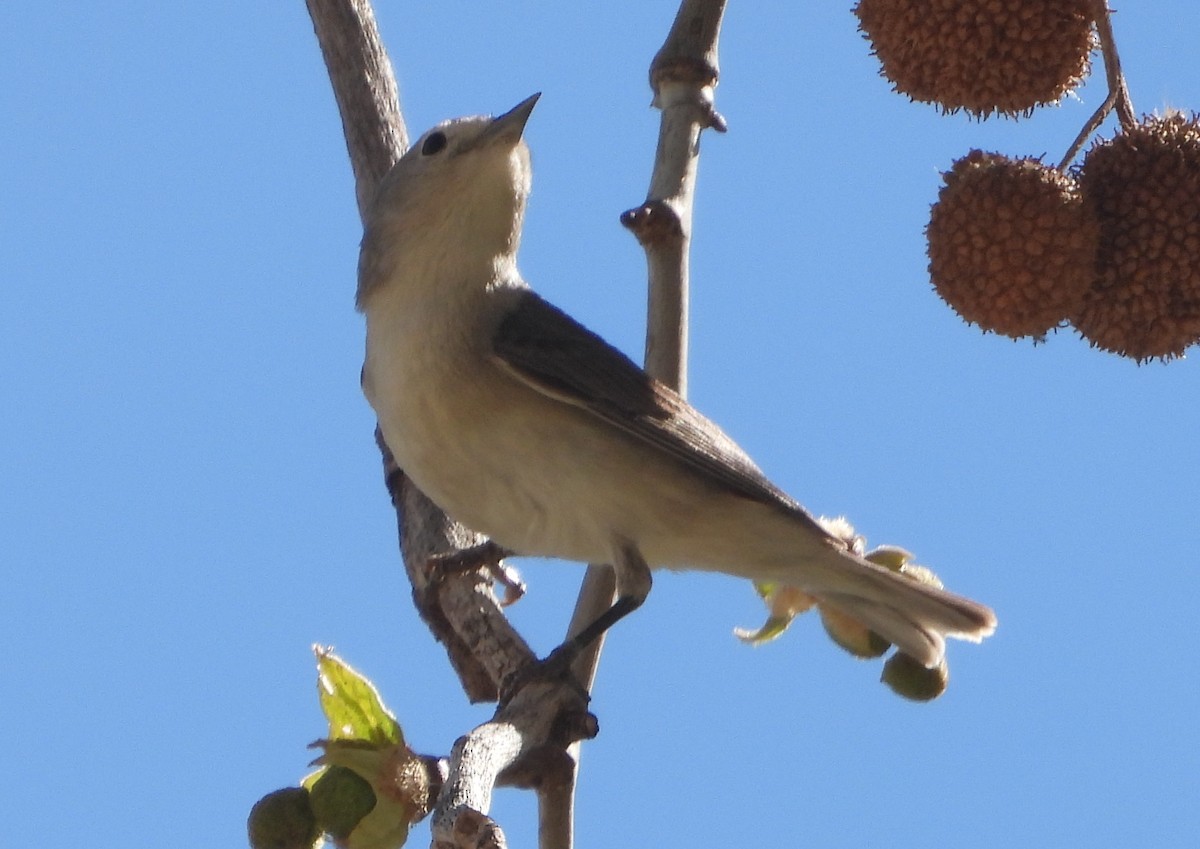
x=523 y=745
x=365 y=89
x=1118 y=91
x=526 y=740
x=459 y=609
x=683 y=76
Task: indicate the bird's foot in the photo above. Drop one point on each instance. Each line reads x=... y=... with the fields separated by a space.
x=488 y=556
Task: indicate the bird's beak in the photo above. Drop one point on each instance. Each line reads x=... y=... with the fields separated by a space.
x=509 y=126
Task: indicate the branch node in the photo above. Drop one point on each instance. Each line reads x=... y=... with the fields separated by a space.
x=470 y=829
x=689 y=70
x=654 y=222
x=1118 y=90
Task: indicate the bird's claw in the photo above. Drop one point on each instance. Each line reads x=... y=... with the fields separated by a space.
x=488 y=556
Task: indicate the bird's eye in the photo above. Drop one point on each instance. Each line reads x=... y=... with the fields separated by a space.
x=434 y=142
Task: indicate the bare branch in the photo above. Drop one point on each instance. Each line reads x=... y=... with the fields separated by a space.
x=683 y=75
x=365 y=89
x=522 y=745
x=556 y=811
x=1112 y=65
x=1118 y=91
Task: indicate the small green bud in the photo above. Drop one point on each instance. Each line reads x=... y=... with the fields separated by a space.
x=850 y=634
x=340 y=799
x=889 y=556
x=908 y=678
x=283 y=820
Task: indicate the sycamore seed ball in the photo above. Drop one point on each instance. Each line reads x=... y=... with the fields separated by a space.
x=1144 y=189
x=1011 y=244
x=984 y=56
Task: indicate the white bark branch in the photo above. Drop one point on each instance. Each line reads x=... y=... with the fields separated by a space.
x=523 y=746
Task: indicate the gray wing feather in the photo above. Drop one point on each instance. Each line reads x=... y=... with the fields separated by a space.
x=554 y=354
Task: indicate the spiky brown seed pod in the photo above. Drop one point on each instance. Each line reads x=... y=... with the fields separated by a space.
x=983 y=56
x=1144 y=189
x=1011 y=244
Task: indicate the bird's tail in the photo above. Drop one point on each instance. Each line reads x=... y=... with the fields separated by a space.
x=915 y=616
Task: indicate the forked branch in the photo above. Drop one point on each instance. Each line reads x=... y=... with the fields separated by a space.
x=1118 y=91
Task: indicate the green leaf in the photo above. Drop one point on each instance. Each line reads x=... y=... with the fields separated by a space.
x=352 y=704
x=784 y=604
x=772 y=628
x=375 y=809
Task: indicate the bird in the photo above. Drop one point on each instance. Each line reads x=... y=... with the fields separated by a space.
x=524 y=425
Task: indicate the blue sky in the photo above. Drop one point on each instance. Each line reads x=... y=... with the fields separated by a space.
x=191 y=496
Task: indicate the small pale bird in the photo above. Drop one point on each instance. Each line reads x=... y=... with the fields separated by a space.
x=525 y=426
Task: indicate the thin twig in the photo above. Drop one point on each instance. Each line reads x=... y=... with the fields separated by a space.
x=683 y=76
x=1118 y=91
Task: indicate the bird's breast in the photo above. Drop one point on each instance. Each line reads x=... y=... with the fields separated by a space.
x=460 y=427
x=533 y=472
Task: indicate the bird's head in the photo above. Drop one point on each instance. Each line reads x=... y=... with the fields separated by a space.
x=455 y=199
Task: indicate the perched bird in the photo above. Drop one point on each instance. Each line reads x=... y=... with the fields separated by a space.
x=525 y=426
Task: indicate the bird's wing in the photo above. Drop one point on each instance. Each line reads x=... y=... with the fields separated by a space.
x=554 y=354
